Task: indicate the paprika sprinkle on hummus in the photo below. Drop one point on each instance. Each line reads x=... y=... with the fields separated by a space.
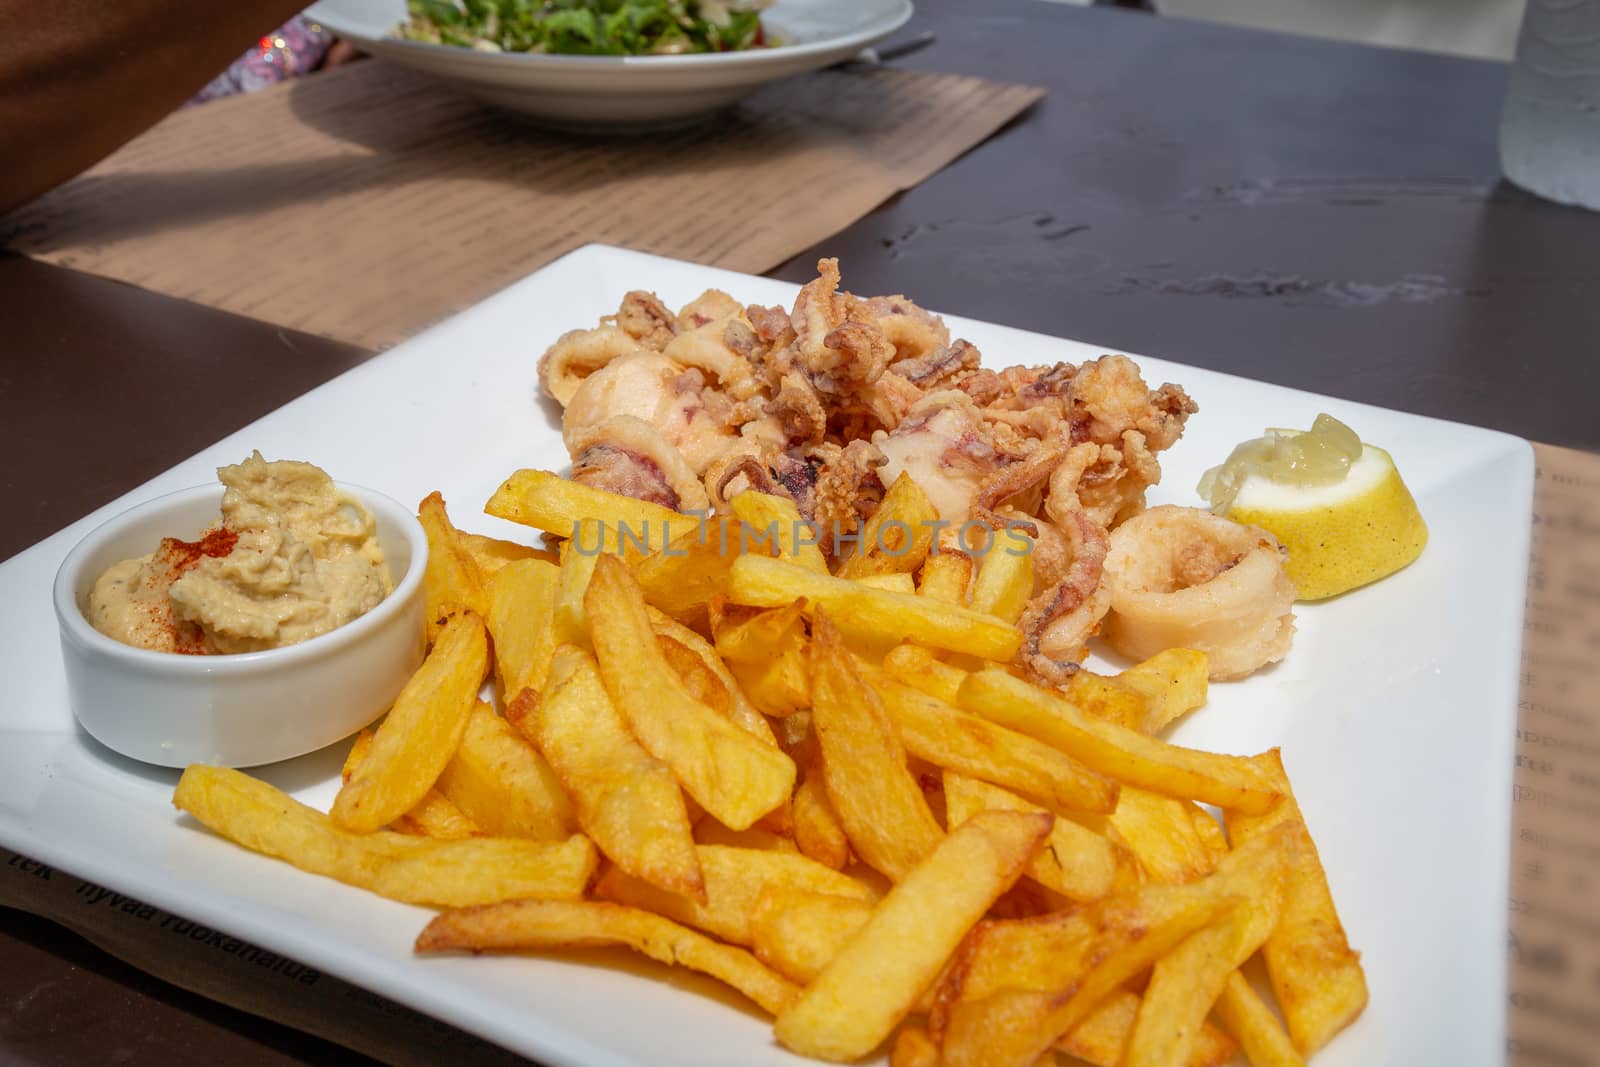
x=291 y=557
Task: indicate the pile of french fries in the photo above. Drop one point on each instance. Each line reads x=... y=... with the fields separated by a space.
x=825 y=790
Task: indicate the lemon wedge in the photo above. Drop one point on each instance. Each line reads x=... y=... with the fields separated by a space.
x=1348 y=525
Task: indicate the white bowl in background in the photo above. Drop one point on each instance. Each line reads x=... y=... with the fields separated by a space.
x=619 y=92
x=235 y=710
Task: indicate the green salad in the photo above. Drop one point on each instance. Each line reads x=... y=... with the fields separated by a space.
x=588 y=27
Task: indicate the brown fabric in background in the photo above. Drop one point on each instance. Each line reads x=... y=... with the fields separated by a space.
x=368 y=201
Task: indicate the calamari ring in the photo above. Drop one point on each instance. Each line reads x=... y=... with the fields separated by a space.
x=721 y=348
x=1185 y=578
x=578 y=354
x=628 y=455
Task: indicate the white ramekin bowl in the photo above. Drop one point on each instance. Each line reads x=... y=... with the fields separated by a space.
x=239 y=710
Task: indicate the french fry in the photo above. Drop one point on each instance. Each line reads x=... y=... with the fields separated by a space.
x=817 y=829
x=434 y=815
x=1101 y=1038
x=1185 y=984
x=879 y=803
x=779 y=823
x=1212 y=837
x=1036 y=954
x=1173 y=682
x=551 y=503
x=1054 y=952
x=493 y=553
x=504 y=785
x=533 y=925
x=1315 y=975
x=1162 y=833
x=450 y=582
x=999 y=1012
x=755 y=635
x=796 y=736
x=947 y=737
x=913 y=1048
x=693 y=657
x=521 y=619
x=736 y=778
x=873 y=614
x=682 y=579
x=1255 y=1026
x=734 y=880
x=703 y=684
x=897 y=537
x=358 y=752
x=946 y=577
x=421 y=731
x=1013 y=1028
x=625 y=799
x=1109 y=700
x=878 y=976
x=416 y=870
x=1077 y=863
x=794 y=539
x=1132 y=758
x=921 y=669
x=712 y=832
x=765 y=650
x=571 y=620
x=1005 y=577
x=779 y=688
x=894 y=582
x=798 y=932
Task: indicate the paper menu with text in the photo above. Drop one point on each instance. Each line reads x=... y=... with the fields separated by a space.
x=1553 y=999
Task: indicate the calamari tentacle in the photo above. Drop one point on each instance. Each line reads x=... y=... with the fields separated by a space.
x=799 y=410
x=647 y=320
x=816 y=314
x=915 y=332
x=940 y=368
x=848 y=487
x=720 y=476
x=1013 y=478
x=1056 y=623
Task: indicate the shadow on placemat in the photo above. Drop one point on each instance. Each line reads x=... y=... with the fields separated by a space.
x=367 y=201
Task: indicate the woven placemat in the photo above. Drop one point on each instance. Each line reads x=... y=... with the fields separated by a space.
x=369 y=201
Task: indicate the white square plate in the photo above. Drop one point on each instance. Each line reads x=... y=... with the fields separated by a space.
x=1395 y=709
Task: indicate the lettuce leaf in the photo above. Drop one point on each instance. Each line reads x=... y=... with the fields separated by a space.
x=585 y=27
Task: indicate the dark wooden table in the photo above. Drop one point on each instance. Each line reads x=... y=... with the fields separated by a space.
x=1320 y=215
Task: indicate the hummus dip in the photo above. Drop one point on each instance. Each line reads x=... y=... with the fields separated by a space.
x=291 y=557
